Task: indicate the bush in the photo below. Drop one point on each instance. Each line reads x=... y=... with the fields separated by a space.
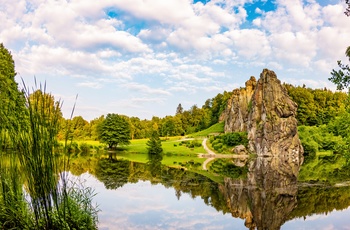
x=196 y=143
x=218 y=147
x=236 y=138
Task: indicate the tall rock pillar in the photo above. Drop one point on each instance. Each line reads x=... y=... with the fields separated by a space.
x=272 y=126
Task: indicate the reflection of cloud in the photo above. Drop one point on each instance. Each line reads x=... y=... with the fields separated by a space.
x=124 y=207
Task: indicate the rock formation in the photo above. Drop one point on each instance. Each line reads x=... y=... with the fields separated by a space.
x=266 y=112
x=238 y=106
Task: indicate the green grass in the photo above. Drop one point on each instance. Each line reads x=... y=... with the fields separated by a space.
x=170 y=146
x=216 y=128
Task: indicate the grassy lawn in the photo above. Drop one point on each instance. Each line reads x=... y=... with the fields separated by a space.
x=171 y=145
x=216 y=128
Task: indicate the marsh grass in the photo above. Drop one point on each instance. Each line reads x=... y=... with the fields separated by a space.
x=42 y=198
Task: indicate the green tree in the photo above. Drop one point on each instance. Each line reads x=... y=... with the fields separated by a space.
x=94 y=126
x=12 y=101
x=80 y=128
x=341 y=77
x=114 y=130
x=154 y=145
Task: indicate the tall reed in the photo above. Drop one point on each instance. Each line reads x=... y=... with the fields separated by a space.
x=48 y=200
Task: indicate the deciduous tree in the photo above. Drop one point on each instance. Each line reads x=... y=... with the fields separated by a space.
x=114 y=130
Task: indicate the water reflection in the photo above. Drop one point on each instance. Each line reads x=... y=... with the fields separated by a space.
x=265 y=199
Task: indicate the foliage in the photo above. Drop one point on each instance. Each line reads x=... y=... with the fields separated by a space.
x=224 y=142
x=52 y=206
x=317 y=106
x=114 y=130
x=316 y=139
x=179 y=109
x=154 y=145
x=12 y=103
x=341 y=77
x=340 y=126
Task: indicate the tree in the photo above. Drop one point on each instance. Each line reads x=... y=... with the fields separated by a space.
x=12 y=101
x=341 y=77
x=94 y=126
x=154 y=145
x=114 y=130
x=347 y=10
x=179 y=109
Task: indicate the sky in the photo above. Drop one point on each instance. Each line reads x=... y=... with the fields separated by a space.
x=143 y=57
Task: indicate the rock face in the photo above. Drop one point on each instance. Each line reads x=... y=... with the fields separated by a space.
x=266 y=112
x=236 y=114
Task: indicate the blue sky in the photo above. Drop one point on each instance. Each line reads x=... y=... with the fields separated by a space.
x=144 y=57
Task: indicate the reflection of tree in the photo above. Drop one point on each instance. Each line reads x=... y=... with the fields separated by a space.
x=155 y=164
x=266 y=199
x=320 y=199
x=113 y=173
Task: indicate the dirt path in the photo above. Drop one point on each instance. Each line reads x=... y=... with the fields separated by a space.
x=211 y=154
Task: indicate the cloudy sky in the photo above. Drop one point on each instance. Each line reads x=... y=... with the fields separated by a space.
x=144 y=57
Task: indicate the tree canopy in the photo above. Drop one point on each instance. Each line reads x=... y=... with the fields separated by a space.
x=114 y=130
x=12 y=102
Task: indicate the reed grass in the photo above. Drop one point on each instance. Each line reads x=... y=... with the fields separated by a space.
x=42 y=198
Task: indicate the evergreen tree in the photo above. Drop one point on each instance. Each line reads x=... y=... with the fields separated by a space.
x=154 y=145
x=179 y=109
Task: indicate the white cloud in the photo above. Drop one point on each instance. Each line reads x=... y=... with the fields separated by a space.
x=172 y=48
x=145 y=89
x=297 y=48
x=250 y=43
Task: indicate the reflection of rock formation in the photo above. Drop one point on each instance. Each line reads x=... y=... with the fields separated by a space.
x=262 y=205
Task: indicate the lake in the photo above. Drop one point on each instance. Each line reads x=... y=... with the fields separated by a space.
x=151 y=196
